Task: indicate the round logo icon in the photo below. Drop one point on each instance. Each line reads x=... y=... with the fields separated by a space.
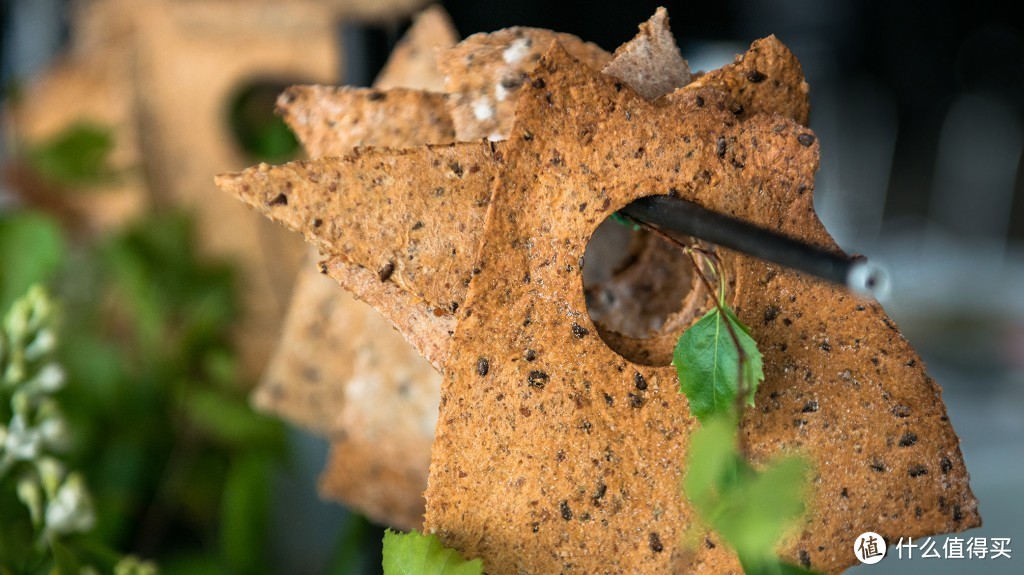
x=869 y=547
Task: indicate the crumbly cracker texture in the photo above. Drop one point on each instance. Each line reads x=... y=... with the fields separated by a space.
x=569 y=458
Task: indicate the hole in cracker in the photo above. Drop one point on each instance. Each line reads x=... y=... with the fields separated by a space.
x=641 y=292
x=256 y=130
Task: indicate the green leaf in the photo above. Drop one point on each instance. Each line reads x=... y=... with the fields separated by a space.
x=244 y=513
x=31 y=248
x=416 y=554
x=713 y=462
x=755 y=515
x=76 y=156
x=750 y=509
x=773 y=567
x=231 y=421
x=707 y=361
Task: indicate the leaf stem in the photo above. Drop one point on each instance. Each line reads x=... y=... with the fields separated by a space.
x=743 y=387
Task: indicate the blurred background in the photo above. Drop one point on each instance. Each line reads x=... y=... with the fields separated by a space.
x=919 y=108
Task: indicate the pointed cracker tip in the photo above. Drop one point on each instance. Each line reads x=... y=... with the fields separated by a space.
x=227 y=181
x=238 y=184
x=650 y=62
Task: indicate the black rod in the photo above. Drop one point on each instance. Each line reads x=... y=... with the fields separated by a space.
x=685 y=217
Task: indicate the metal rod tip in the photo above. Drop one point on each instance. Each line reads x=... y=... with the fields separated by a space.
x=868 y=279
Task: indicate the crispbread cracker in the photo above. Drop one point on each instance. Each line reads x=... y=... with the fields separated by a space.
x=330 y=121
x=339 y=369
x=573 y=461
x=403 y=307
x=553 y=453
x=413 y=215
x=650 y=63
x=484 y=73
x=413 y=62
x=766 y=79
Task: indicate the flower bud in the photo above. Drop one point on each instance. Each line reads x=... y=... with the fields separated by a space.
x=71 y=510
x=30 y=494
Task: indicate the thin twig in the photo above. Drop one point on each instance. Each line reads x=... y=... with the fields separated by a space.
x=741 y=356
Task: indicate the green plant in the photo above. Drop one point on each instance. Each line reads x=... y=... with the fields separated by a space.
x=156 y=416
x=33 y=447
x=414 y=553
x=719 y=368
x=77 y=155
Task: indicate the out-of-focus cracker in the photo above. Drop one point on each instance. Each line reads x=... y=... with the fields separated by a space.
x=650 y=63
x=330 y=121
x=413 y=62
x=484 y=73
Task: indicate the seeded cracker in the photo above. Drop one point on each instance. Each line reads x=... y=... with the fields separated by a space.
x=339 y=368
x=563 y=463
x=413 y=62
x=651 y=63
x=484 y=73
x=766 y=79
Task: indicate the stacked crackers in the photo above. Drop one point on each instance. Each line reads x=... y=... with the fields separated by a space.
x=465 y=224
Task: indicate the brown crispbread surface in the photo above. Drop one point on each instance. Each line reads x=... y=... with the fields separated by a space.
x=566 y=463
x=651 y=63
x=766 y=79
x=413 y=216
x=413 y=62
x=555 y=454
x=330 y=121
x=484 y=73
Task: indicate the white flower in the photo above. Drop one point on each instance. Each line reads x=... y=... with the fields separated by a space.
x=44 y=343
x=71 y=510
x=51 y=474
x=49 y=379
x=54 y=432
x=22 y=442
x=30 y=494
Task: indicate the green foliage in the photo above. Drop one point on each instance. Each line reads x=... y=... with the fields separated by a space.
x=180 y=458
x=33 y=438
x=258 y=131
x=719 y=368
x=750 y=509
x=348 y=556
x=707 y=360
x=244 y=512
x=157 y=418
x=31 y=249
x=78 y=155
x=417 y=554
